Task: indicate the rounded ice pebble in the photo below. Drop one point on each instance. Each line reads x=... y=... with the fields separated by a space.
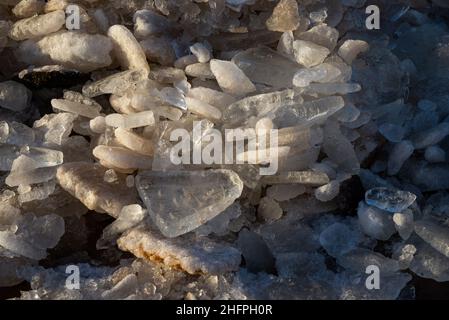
x=14 y=96
x=148 y=23
x=127 y=50
x=328 y=191
x=390 y=200
x=375 y=223
x=201 y=52
x=269 y=209
x=435 y=154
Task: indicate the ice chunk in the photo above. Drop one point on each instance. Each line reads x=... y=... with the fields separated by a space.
x=16 y=133
x=284 y=108
x=117 y=83
x=429 y=263
x=349 y=113
x=390 y=200
x=375 y=223
x=203 y=109
x=350 y=49
x=269 y=210
x=54 y=128
x=32 y=158
x=330 y=89
x=33 y=236
x=173 y=97
x=431 y=137
x=308 y=53
x=392 y=132
x=359 y=259
x=148 y=22
x=158 y=50
x=266 y=66
x=200 y=70
x=179 y=202
x=129 y=217
x=28 y=8
x=130 y=121
x=285 y=16
x=186 y=253
x=404 y=253
x=284 y=192
x=323 y=73
x=338 y=239
x=285 y=44
x=400 y=153
x=8 y=154
x=214 y=98
x=322 y=35
x=127 y=50
x=38 y=192
x=309 y=178
x=435 y=154
x=428 y=177
x=121 y=158
x=134 y=142
x=73 y=50
x=220 y=225
x=328 y=191
x=37 y=26
x=201 y=52
x=76 y=108
x=339 y=149
x=435 y=235
x=85 y=181
x=404 y=223
x=14 y=96
x=231 y=78
x=39 y=175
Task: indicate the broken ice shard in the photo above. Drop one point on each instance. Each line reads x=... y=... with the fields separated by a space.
x=181 y=201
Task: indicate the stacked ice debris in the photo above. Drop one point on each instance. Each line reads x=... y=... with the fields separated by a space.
x=87 y=118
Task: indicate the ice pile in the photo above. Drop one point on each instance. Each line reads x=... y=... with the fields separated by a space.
x=348 y=105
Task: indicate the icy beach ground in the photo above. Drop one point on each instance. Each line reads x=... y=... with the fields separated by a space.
x=117 y=179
